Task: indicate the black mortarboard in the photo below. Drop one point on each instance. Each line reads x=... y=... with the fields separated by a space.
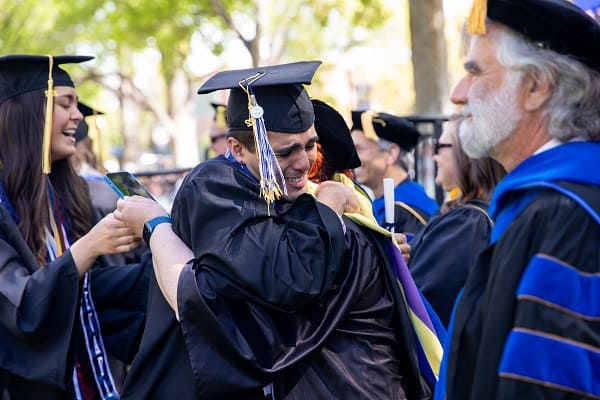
x=278 y=90
x=263 y=99
x=334 y=136
x=556 y=24
x=82 y=128
x=220 y=117
x=22 y=73
x=386 y=126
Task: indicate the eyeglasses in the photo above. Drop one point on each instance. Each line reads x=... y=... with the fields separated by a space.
x=214 y=139
x=438 y=146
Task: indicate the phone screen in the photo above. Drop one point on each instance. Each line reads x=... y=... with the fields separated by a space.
x=125 y=184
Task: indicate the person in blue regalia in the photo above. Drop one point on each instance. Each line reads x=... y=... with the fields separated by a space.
x=385 y=143
x=526 y=324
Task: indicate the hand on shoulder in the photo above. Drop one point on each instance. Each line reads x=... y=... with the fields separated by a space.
x=338 y=197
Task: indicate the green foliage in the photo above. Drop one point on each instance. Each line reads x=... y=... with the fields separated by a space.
x=116 y=31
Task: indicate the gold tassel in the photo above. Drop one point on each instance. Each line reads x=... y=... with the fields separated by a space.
x=366 y=120
x=476 y=20
x=46 y=163
x=220 y=119
x=454 y=193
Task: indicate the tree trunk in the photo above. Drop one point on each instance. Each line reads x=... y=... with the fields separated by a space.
x=429 y=56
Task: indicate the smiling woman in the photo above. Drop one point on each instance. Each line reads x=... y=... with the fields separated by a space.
x=50 y=344
x=65 y=119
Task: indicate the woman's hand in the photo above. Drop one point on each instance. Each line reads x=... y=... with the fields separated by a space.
x=135 y=211
x=339 y=197
x=108 y=236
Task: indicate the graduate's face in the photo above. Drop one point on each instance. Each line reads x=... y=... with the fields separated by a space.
x=490 y=94
x=372 y=157
x=65 y=118
x=295 y=153
x=447 y=173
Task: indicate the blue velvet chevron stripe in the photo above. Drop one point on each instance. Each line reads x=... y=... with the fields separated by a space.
x=561 y=286
x=548 y=360
x=517 y=189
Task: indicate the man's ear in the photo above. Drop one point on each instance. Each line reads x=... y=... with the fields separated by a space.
x=537 y=91
x=392 y=154
x=236 y=149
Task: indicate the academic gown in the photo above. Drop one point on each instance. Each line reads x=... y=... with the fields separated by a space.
x=412 y=208
x=444 y=251
x=520 y=298
x=263 y=304
x=39 y=315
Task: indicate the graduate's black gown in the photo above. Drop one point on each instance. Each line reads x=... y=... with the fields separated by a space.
x=445 y=250
x=562 y=234
x=284 y=298
x=39 y=316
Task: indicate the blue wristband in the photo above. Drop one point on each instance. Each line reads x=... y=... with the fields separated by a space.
x=151 y=224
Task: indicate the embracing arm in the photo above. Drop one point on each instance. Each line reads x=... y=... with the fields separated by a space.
x=169 y=252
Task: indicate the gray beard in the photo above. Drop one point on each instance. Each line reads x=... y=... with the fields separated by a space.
x=495 y=116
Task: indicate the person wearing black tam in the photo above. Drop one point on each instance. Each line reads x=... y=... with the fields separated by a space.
x=103 y=197
x=86 y=158
x=58 y=317
x=385 y=143
x=526 y=324
x=218 y=130
x=337 y=156
x=284 y=296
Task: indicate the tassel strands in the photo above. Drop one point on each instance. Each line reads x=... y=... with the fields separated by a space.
x=50 y=93
x=477 y=15
x=268 y=165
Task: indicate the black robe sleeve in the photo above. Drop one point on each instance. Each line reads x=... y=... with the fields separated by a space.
x=409 y=220
x=37 y=309
x=444 y=251
x=250 y=250
x=120 y=296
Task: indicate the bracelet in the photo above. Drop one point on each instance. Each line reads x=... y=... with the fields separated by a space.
x=150 y=225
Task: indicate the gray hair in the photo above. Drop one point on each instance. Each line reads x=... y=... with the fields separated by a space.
x=406 y=159
x=573 y=108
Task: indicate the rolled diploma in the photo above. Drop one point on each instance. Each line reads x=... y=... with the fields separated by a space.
x=388 y=198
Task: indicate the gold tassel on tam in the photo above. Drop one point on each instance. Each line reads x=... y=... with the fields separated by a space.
x=366 y=120
x=477 y=15
x=220 y=118
x=46 y=163
x=268 y=165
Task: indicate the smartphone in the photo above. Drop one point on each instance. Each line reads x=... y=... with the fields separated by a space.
x=125 y=184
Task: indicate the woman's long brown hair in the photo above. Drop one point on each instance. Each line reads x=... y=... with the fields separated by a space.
x=21 y=128
x=477 y=178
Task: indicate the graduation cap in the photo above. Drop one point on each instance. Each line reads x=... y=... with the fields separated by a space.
x=83 y=127
x=558 y=25
x=269 y=98
x=21 y=73
x=386 y=126
x=277 y=88
x=220 y=117
x=334 y=136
